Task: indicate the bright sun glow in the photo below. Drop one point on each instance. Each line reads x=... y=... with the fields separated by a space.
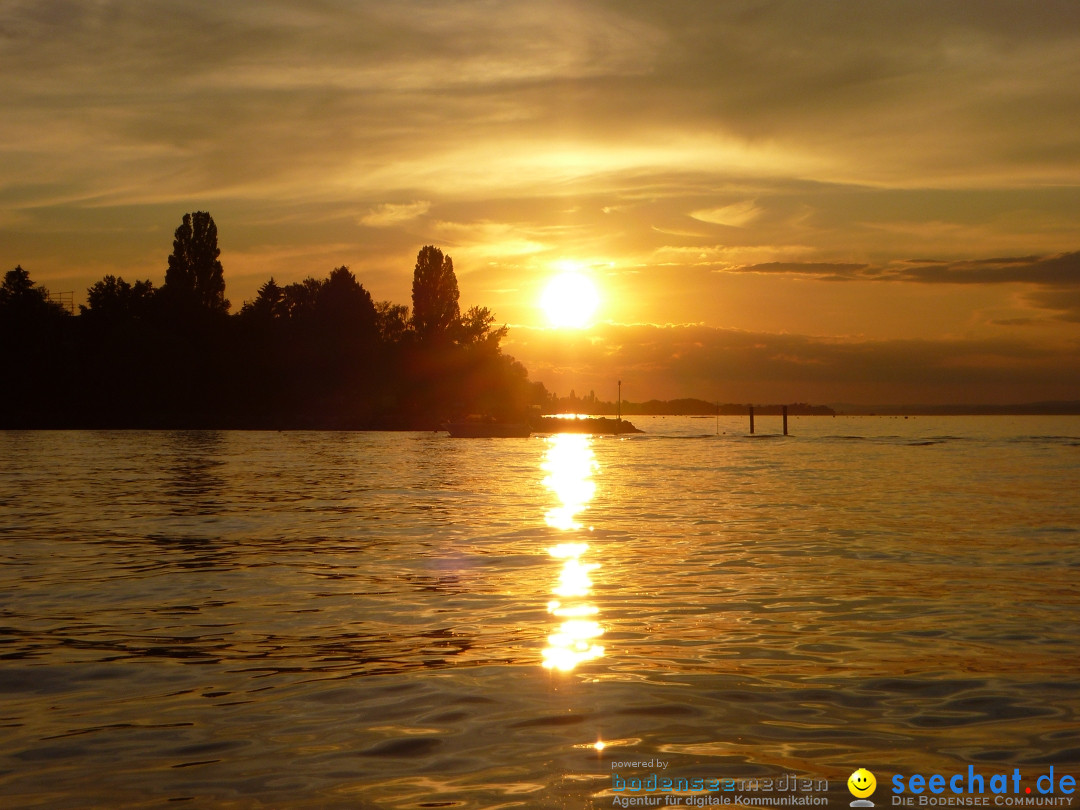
x=570 y=300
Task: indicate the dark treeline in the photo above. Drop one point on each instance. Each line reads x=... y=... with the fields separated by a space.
x=589 y=404
x=319 y=353
x=1048 y=408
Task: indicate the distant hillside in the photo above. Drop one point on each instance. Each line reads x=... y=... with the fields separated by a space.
x=681 y=407
x=1062 y=408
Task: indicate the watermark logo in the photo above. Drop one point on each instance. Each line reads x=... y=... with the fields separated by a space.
x=862 y=785
x=974 y=789
x=658 y=787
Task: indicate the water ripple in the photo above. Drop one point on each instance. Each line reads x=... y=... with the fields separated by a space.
x=314 y=620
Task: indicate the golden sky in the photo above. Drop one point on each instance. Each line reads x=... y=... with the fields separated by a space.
x=823 y=201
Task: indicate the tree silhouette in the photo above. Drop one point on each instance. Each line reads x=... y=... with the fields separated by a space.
x=36 y=370
x=434 y=295
x=474 y=329
x=344 y=306
x=195 y=276
x=392 y=321
x=300 y=298
x=21 y=299
x=18 y=287
x=318 y=353
x=269 y=303
x=114 y=299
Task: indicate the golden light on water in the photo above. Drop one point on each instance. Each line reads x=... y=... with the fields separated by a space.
x=555 y=609
x=570 y=464
x=574 y=580
x=572 y=642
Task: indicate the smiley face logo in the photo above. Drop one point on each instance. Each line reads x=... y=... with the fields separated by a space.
x=861 y=783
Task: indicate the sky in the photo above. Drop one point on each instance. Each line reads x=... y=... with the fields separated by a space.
x=832 y=202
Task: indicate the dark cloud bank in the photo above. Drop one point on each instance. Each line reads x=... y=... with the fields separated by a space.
x=1056 y=278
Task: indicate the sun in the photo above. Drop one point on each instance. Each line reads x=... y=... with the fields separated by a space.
x=570 y=300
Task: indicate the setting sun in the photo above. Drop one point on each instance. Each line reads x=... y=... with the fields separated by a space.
x=570 y=300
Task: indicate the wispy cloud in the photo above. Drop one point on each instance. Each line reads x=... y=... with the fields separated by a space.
x=1059 y=270
x=1065 y=303
x=735 y=215
x=387 y=214
x=825 y=270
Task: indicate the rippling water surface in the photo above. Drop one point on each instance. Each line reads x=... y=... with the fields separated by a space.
x=405 y=620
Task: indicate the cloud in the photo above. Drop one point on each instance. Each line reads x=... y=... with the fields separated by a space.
x=825 y=270
x=810 y=142
x=735 y=215
x=475 y=245
x=724 y=257
x=251 y=98
x=1066 y=303
x=1060 y=270
x=387 y=214
x=1057 y=277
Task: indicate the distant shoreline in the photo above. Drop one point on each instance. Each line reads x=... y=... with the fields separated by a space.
x=655 y=408
x=699 y=407
x=1021 y=409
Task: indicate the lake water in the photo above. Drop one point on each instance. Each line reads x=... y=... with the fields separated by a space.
x=404 y=620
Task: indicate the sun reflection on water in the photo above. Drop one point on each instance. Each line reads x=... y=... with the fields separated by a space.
x=570 y=465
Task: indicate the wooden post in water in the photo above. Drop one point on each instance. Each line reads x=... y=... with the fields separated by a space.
x=785 y=420
x=618 y=407
x=751 y=420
